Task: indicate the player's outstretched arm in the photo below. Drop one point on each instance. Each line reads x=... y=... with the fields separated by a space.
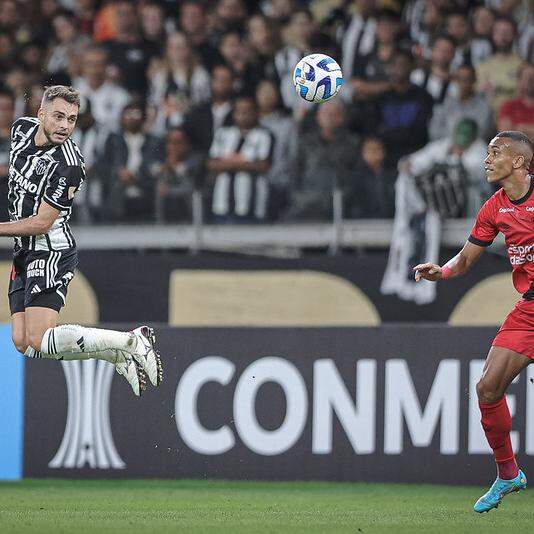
x=35 y=225
x=456 y=266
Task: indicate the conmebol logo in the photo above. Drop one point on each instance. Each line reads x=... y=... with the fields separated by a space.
x=87 y=440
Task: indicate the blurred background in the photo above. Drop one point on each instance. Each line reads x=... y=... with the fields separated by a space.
x=299 y=247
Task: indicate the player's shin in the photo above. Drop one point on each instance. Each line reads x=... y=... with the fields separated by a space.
x=74 y=341
x=111 y=355
x=497 y=424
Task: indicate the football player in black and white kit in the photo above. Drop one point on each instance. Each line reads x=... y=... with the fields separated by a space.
x=46 y=169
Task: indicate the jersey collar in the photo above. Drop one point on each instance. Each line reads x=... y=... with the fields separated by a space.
x=527 y=195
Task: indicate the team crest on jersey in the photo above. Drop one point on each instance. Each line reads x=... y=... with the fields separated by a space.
x=40 y=166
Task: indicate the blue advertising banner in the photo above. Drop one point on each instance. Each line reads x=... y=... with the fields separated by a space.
x=11 y=407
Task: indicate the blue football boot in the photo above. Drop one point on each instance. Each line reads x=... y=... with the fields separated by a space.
x=498 y=490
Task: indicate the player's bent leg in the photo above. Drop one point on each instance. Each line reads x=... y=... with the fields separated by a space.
x=38 y=320
x=501 y=367
x=67 y=342
x=18 y=332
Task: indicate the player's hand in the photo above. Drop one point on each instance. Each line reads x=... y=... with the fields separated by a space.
x=427 y=271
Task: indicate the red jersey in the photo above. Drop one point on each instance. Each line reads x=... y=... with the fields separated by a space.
x=515 y=220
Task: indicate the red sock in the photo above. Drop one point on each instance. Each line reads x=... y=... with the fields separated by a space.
x=497 y=424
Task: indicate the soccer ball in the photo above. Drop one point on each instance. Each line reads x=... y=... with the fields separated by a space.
x=317 y=78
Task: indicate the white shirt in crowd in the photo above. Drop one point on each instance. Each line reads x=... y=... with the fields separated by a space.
x=107 y=102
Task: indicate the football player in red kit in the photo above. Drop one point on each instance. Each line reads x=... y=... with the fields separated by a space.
x=509 y=211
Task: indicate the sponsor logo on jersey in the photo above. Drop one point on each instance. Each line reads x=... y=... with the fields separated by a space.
x=506 y=210
x=530 y=208
x=36 y=268
x=520 y=254
x=22 y=182
x=59 y=190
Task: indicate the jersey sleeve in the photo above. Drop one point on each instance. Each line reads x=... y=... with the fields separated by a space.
x=62 y=185
x=485 y=229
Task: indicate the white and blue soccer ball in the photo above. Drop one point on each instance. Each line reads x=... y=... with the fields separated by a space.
x=317 y=78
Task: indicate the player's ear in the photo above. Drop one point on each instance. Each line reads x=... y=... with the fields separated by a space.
x=518 y=162
x=40 y=114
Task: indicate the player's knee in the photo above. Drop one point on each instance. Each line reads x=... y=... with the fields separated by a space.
x=19 y=340
x=34 y=340
x=487 y=392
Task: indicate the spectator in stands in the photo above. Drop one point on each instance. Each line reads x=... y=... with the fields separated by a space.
x=463 y=150
x=297 y=36
x=180 y=83
x=229 y=15
x=13 y=21
x=246 y=75
x=518 y=113
x=153 y=27
x=7 y=51
x=497 y=74
x=7 y=108
x=358 y=38
x=457 y=27
x=402 y=114
x=130 y=154
x=325 y=160
x=17 y=83
x=483 y=19
x=276 y=119
x=33 y=99
x=85 y=13
x=107 y=99
x=128 y=53
x=31 y=55
x=204 y=119
x=176 y=178
x=240 y=158
x=263 y=41
x=193 y=22
x=66 y=36
x=279 y=10
x=435 y=78
x=370 y=193
x=424 y=18
x=464 y=101
x=91 y=137
x=370 y=76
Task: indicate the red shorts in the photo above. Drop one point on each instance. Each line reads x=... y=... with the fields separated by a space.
x=517 y=331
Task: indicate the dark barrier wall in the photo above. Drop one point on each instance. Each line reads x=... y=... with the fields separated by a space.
x=394 y=403
x=134 y=286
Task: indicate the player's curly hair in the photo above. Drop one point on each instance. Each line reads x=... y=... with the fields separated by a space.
x=71 y=95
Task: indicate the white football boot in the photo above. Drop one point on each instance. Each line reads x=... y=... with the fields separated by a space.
x=146 y=356
x=132 y=371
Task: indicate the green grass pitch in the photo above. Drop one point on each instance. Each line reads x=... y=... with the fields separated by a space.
x=156 y=506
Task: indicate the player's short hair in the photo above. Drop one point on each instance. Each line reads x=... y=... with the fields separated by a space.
x=525 y=144
x=515 y=135
x=67 y=93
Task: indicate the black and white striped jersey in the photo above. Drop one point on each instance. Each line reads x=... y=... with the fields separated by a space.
x=49 y=173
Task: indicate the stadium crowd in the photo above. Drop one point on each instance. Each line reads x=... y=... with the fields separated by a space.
x=189 y=95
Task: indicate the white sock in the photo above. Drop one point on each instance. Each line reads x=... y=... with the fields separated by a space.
x=70 y=340
x=111 y=355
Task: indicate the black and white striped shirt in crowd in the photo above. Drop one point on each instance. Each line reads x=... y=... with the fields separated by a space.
x=52 y=173
x=241 y=194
